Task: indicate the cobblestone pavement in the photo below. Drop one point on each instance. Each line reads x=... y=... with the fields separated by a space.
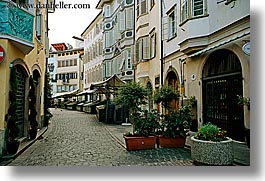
x=78 y=139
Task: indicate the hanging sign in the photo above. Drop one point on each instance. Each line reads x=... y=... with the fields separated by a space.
x=2 y=54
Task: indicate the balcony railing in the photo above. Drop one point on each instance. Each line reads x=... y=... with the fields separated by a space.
x=16 y=22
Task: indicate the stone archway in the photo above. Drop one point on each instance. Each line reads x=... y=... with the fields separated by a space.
x=37 y=80
x=172 y=80
x=221 y=83
x=21 y=77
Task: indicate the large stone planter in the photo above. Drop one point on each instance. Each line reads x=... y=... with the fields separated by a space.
x=212 y=153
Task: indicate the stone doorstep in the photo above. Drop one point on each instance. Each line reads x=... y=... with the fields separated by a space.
x=24 y=144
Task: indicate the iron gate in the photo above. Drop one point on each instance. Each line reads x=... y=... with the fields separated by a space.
x=20 y=100
x=222 y=83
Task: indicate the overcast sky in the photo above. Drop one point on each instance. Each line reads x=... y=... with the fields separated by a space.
x=66 y=23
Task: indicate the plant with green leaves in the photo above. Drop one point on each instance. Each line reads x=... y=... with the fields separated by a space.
x=131 y=95
x=47 y=99
x=177 y=122
x=164 y=95
x=32 y=108
x=146 y=123
x=211 y=132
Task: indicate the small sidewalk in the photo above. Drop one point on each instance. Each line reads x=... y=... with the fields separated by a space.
x=241 y=150
x=24 y=144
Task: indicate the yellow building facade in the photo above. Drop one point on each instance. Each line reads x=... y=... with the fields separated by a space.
x=24 y=38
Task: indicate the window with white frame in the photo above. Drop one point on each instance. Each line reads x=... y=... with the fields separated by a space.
x=153 y=45
x=184 y=10
x=172 y=23
x=141 y=7
x=192 y=8
x=142 y=48
x=129 y=59
x=197 y=7
x=38 y=24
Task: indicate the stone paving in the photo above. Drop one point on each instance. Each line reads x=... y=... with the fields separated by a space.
x=78 y=139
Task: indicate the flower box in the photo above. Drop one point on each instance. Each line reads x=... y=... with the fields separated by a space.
x=168 y=142
x=140 y=143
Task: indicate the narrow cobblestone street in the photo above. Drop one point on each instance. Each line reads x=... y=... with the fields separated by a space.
x=78 y=139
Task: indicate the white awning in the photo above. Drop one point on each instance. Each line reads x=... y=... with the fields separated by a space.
x=220 y=44
x=62 y=94
x=86 y=92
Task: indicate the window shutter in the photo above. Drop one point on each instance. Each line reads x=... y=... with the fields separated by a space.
x=129 y=18
x=121 y=67
x=107 y=41
x=184 y=10
x=122 y=21
x=137 y=50
x=175 y=21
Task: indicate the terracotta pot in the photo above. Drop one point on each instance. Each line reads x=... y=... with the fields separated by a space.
x=140 y=143
x=168 y=142
x=212 y=153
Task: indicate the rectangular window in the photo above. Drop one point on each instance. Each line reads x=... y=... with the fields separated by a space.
x=129 y=62
x=59 y=88
x=138 y=8
x=184 y=10
x=38 y=25
x=66 y=63
x=172 y=23
x=75 y=62
x=197 y=7
x=142 y=49
x=153 y=45
x=143 y=7
x=146 y=48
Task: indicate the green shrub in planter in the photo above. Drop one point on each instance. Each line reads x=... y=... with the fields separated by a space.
x=211 y=146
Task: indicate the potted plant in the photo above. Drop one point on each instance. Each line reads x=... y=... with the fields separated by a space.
x=174 y=128
x=211 y=146
x=244 y=101
x=11 y=117
x=165 y=95
x=32 y=110
x=133 y=95
x=145 y=125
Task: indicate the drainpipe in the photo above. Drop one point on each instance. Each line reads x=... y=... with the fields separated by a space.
x=162 y=45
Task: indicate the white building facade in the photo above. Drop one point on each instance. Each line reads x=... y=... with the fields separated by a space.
x=93 y=52
x=207 y=55
x=118 y=40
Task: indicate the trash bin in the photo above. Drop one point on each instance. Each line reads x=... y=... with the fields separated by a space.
x=101 y=113
x=110 y=113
